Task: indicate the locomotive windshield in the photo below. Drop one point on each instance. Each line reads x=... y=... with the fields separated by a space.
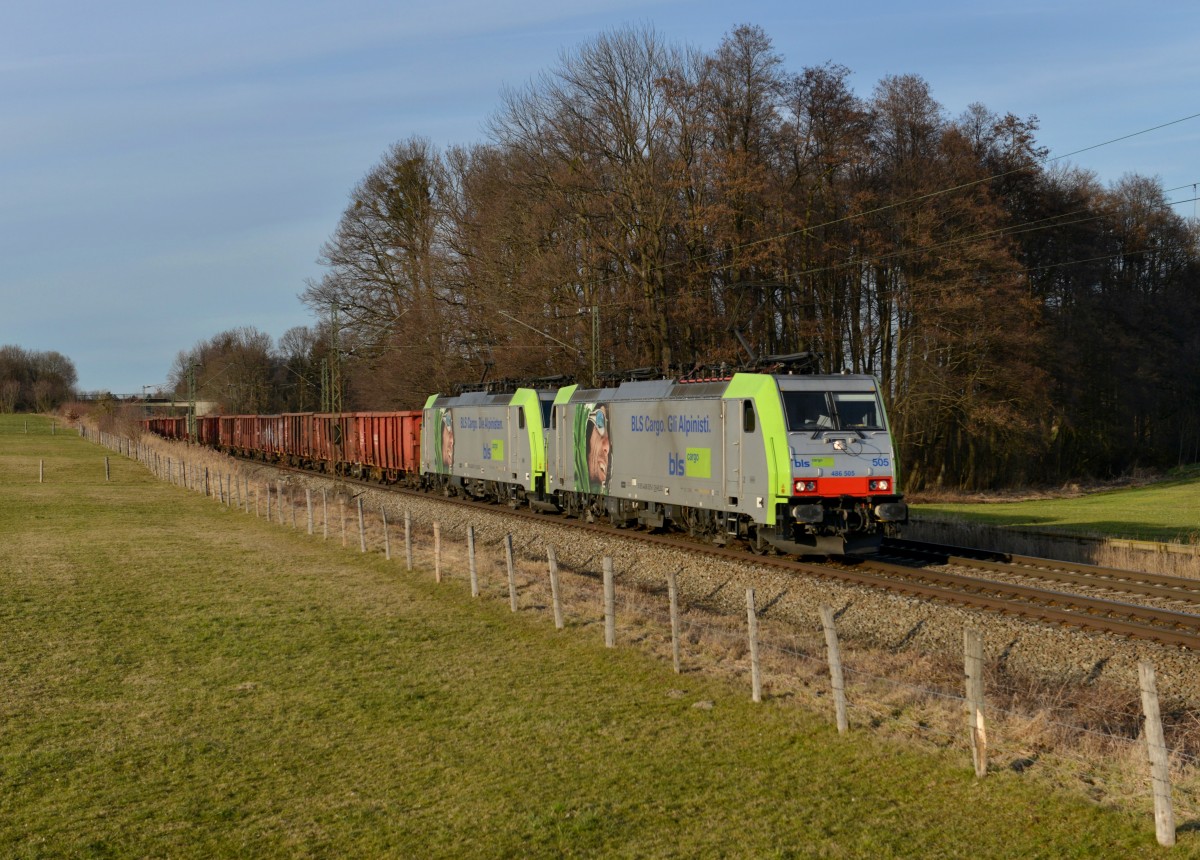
x=807 y=410
x=857 y=411
x=831 y=410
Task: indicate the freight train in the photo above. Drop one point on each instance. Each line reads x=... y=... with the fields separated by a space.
x=801 y=463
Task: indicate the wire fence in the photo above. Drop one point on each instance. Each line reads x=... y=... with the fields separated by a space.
x=1110 y=742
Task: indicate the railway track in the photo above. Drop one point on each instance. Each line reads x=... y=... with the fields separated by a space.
x=1129 y=604
x=1172 y=592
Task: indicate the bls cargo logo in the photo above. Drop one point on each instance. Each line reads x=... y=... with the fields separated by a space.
x=695 y=463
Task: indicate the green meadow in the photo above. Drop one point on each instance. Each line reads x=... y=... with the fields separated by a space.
x=1167 y=510
x=178 y=679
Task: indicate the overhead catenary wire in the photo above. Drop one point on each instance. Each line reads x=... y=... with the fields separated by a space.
x=1050 y=222
x=1018 y=229
x=1010 y=229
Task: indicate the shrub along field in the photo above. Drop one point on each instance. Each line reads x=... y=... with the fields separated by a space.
x=180 y=679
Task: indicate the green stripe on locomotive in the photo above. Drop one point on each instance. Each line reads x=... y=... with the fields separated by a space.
x=578 y=451
x=763 y=391
x=527 y=398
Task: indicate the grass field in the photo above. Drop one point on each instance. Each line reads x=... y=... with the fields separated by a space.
x=1167 y=510
x=179 y=679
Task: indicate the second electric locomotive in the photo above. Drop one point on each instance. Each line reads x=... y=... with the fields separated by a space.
x=802 y=463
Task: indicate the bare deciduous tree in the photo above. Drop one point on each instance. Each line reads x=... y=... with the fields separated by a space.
x=34 y=380
x=639 y=201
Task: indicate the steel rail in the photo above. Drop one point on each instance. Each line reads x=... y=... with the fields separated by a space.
x=1139 y=583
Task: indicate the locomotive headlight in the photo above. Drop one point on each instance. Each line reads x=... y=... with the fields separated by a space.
x=803 y=486
x=880 y=485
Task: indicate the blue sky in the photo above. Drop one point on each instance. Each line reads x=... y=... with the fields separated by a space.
x=170 y=170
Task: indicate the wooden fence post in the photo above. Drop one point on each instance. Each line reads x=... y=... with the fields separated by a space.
x=752 y=629
x=408 y=539
x=107 y=470
x=1156 y=750
x=610 y=605
x=673 y=598
x=362 y=528
x=325 y=513
x=308 y=505
x=387 y=544
x=512 y=577
x=838 y=683
x=471 y=561
x=973 y=665
x=267 y=487
x=437 y=552
x=552 y=559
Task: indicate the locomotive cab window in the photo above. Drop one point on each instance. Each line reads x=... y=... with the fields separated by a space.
x=807 y=410
x=748 y=416
x=858 y=410
x=520 y=417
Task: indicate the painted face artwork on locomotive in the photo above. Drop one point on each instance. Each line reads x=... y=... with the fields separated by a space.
x=593 y=448
x=443 y=435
